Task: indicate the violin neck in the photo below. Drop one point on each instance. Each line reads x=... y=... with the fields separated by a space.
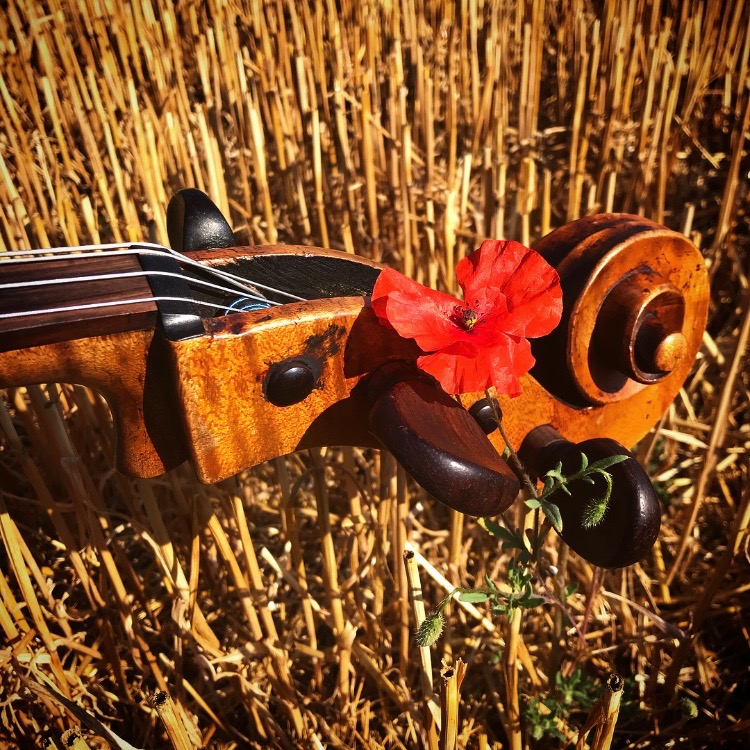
x=95 y=310
x=111 y=349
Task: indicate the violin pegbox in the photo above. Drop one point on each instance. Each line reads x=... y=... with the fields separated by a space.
x=244 y=354
x=315 y=367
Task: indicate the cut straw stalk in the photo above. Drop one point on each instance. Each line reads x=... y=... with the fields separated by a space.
x=425 y=657
x=330 y=569
x=512 y=705
x=486 y=623
x=451 y=678
x=737 y=534
x=73 y=740
x=718 y=433
x=663 y=97
x=176 y=731
x=603 y=716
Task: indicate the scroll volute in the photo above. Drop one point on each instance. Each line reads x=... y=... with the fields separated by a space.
x=635 y=307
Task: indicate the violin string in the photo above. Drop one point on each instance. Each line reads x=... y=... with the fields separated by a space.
x=140 y=248
x=72 y=249
x=126 y=274
x=239 y=283
x=114 y=303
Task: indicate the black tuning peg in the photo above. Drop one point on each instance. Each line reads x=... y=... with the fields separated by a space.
x=195 y=223
x=630 y=525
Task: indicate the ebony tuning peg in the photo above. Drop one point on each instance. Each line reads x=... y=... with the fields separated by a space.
x=631 y=523
x=484 y=413
x=438 y=442
x=195 y=223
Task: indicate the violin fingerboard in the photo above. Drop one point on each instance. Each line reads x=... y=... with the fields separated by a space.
x=310 y=276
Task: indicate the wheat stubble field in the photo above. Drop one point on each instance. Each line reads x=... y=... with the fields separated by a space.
x=273 y=609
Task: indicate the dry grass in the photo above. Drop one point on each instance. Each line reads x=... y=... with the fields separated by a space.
x=274 y=609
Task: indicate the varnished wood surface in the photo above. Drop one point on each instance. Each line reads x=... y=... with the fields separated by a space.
x=594 y=256
x=132 y=371
x=232 y=426
x=220 y=411
x=223 y=255
x=440 y=444
x=230 y=423
x=631 y=522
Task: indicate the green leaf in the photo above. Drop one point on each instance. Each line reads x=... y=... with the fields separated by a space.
x=533 y=503
x=584 y=462
x=474 y=596
x=556 y=473
x=605 y=463
x=530 y=602
x=553 y=515
x=498 y=531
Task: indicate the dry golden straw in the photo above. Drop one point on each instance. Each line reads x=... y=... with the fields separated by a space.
x=275 y=607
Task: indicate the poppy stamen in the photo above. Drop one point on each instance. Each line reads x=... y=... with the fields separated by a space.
x=465 y=317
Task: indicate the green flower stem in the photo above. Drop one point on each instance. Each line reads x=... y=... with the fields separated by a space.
x=558 y=484
x=458 y=590
x=518 y=466
x=515 y=460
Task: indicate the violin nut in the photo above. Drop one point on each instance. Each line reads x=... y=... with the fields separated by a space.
x=290 y=381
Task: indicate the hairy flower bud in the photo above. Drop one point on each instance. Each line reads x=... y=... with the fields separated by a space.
x=688 y=708
x=430 y=630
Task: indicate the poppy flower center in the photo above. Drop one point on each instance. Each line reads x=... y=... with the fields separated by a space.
x=465 y=317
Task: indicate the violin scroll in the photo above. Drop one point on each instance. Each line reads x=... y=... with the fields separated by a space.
x=309 y=364
x=631 y=522
x=635 y=303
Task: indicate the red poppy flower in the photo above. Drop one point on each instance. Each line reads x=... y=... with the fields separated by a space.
x=510 y=294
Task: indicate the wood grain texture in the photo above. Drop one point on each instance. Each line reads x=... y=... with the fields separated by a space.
x=230 y=423
x=596 y=257
x=220 y=377
x=133 y=373
x=630 y=525
x=439 y=443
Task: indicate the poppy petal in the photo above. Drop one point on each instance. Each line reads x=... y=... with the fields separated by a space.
x=414 y=311
x=510 y=362
x=423 y=314
x=529 y=286
x=460 y=368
